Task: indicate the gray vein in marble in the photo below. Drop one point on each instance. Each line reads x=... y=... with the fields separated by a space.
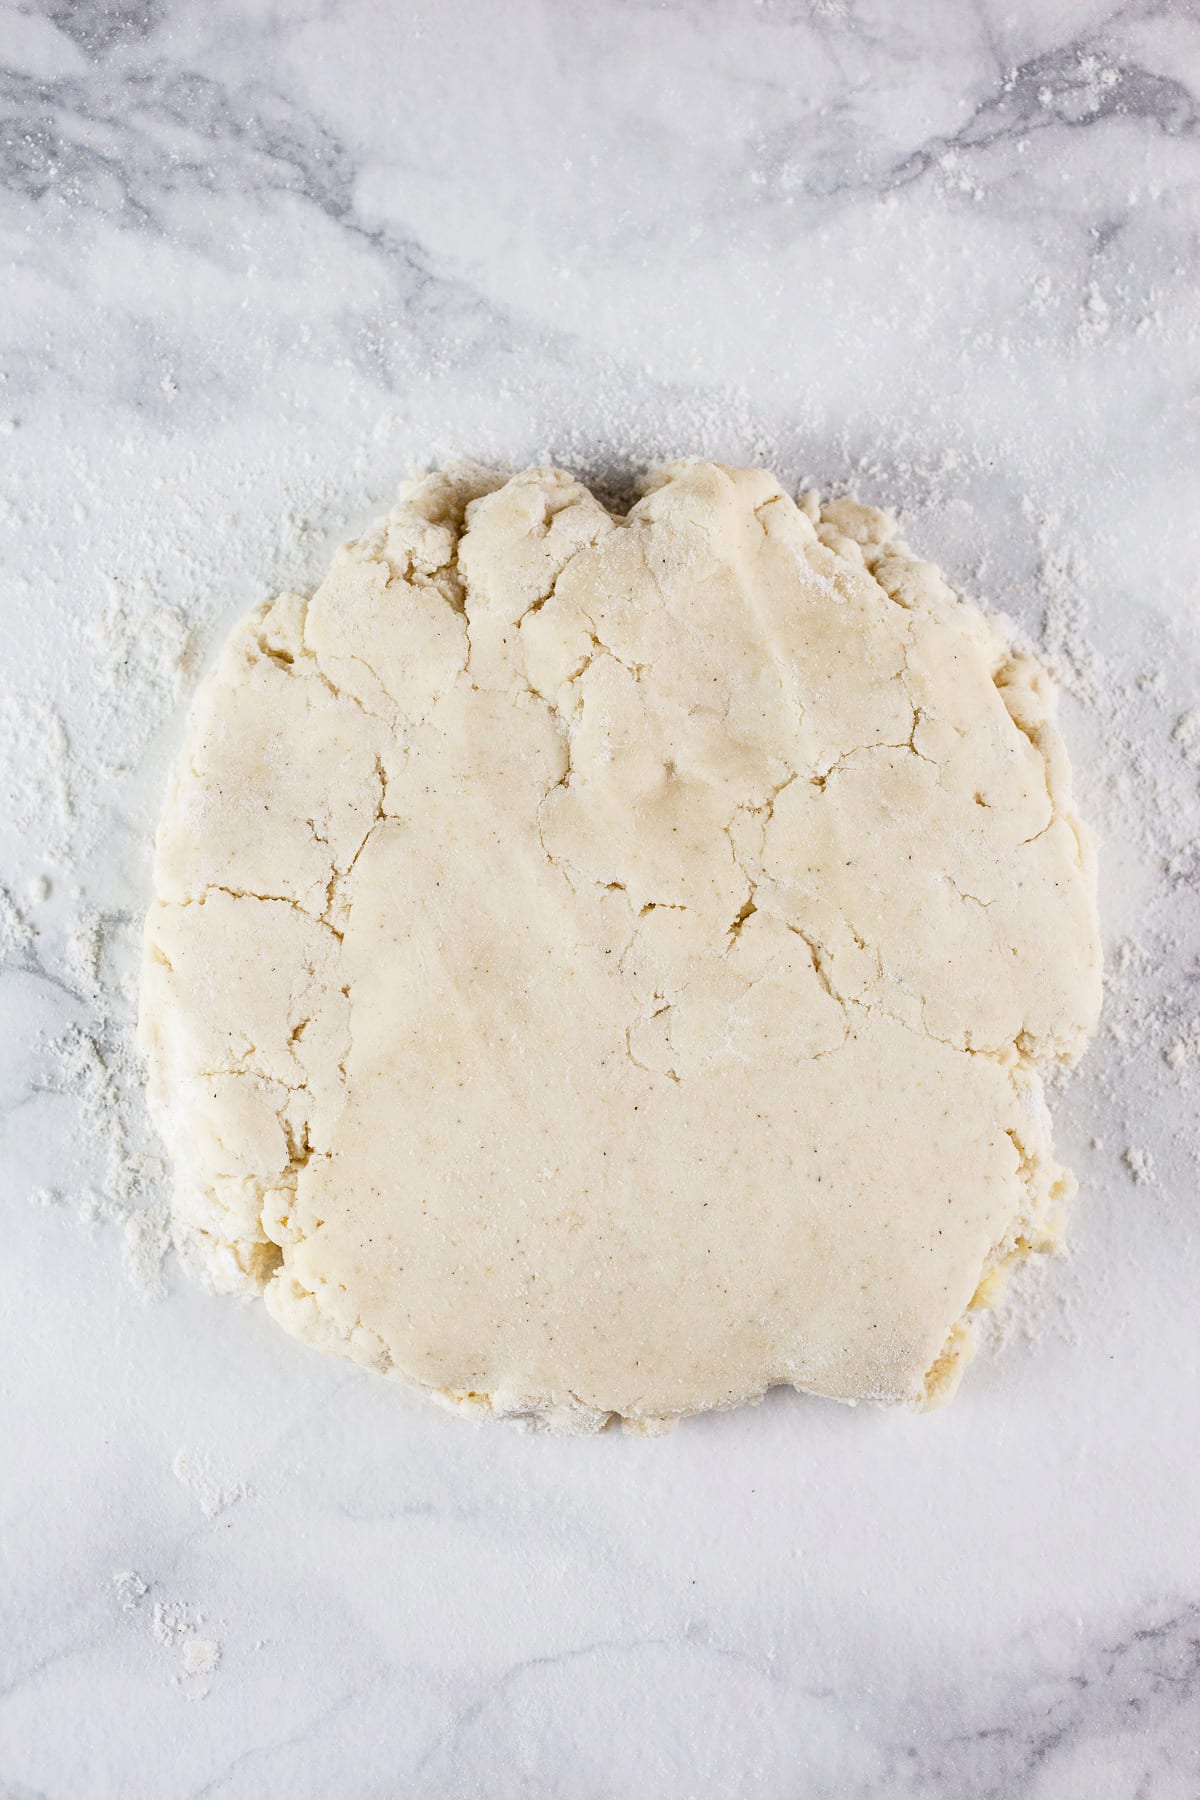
x=1150 y=1679
x=257 y=1753
x=1078 y=85
x=1055 y=91
x=499 y=1689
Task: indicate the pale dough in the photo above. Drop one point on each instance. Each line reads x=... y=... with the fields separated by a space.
x=603 y=965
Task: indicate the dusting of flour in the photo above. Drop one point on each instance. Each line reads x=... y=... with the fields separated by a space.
x=174 y=1627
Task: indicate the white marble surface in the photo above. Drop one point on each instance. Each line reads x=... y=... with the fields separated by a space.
x=259 y=260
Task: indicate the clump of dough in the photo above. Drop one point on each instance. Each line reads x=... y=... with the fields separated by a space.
x=603 y=965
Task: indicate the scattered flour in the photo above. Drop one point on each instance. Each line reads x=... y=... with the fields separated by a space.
x=170 y=1621
x=85 y=951
x=130 y=1589
x=39 y=773
x=63 y=794
x=1044 y=1299
x=1187 y=735
x=1097 y=315
x=143 y=649
x=201 y=1656
x=16 y=933
x=1066 y=641
x=211 y=1495
x=173 y=1626
x=145 y=1241
x=1139 y=1162
x=106 y=1085
x=1184 y=1049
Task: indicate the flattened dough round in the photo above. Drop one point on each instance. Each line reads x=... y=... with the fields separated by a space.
x=603 y=965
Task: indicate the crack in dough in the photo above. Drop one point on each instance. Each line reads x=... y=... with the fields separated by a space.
x=604 y=965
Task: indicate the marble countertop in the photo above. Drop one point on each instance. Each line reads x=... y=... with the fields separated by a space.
x=262 y=261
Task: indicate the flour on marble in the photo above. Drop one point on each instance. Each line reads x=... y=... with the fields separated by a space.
x=139 y=658
x=174 y=1628
x=130 y=1589
x=1066 y=642
x=16 y=933
x=102 y=1073
x=201 y=1656
x=212 y=1494
x=1184 y=1049
x=1186 y=736
x=40 y=770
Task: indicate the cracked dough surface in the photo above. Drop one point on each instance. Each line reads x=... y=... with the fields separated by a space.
x=604 y=965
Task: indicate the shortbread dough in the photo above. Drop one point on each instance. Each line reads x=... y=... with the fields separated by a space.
x=604 y=965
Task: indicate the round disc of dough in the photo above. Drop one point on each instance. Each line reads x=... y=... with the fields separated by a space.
x=602 y=965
